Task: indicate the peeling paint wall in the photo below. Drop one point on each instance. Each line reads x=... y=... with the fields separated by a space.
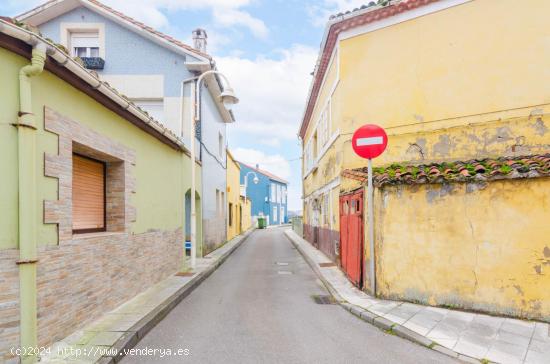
x=449 y=92
x=479 y=246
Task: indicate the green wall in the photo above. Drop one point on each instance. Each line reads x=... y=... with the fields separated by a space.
x=161 y=173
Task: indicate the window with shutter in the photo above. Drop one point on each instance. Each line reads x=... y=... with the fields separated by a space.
x=88 y=195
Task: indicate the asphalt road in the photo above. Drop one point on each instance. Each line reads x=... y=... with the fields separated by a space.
x=251 y=310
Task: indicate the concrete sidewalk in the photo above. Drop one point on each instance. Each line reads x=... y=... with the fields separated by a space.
x=467 y=336
x=105 y=340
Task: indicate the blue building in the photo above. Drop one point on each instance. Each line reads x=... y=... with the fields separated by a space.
x=268 y=195
x=158 y=73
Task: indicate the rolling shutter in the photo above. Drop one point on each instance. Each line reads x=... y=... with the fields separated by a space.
x=88 y=195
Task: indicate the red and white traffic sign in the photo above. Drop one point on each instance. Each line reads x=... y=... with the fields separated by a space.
x=369 y=141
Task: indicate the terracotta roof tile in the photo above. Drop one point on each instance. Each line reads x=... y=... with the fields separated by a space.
x=149 y=29
x=473 y=170
x=136 y=23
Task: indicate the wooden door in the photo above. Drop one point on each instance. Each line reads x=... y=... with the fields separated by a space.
x=351 y=236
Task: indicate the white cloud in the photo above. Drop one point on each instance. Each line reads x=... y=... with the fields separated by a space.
x=274 y=163
x=320 y=13
x=272 y=91
x=270 y=142
x=228 y=17
x=225 y=13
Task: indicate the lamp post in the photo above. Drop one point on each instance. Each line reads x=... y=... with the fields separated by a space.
x=228 y=98
x=255 y=180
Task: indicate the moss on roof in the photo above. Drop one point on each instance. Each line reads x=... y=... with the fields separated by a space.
x=459 y=171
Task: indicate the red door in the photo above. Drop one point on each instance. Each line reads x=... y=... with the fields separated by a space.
x=351 y=236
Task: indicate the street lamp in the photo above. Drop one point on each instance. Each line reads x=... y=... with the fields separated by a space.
x=255 y=180
x=228 y=98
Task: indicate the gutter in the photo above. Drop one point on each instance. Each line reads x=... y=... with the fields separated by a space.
x=26 y=135
x=64 y=60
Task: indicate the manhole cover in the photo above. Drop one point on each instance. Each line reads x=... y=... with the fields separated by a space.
x=323 y=299
x=281 y=263
x=284 y=272
x=324 y=265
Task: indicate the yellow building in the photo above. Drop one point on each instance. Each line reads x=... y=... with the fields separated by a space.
x=238 y=208
x=246 y=208
x=461 y=196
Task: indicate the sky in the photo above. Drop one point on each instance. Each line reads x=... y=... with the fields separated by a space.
x=266 y=48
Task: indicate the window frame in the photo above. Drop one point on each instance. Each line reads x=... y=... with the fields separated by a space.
x=66 y=30
x=104 y=228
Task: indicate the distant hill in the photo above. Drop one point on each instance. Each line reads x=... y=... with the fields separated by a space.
x=291 y=214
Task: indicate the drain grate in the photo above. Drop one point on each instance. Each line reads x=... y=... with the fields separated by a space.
x=323 y=299
x=324 y=265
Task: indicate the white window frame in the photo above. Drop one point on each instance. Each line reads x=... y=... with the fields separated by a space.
x=66 y=29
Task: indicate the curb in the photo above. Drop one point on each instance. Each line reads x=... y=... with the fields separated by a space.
x=373 y=319
x=142 y=327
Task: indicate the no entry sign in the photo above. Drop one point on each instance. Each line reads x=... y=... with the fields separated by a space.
x=369 y=141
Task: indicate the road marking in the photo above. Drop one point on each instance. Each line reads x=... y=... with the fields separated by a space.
x=369 y=141
x=284 y=272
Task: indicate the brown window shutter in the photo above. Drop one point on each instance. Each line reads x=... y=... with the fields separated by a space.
x=88 y=195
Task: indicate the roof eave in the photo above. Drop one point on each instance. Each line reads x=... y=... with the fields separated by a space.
x=111 y=16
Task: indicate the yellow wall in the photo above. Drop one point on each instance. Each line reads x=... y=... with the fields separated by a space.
x=462 y=83
x=246 y=206
x=421 y=77
x=233 y=194
x=158 y=170
x=474 y=246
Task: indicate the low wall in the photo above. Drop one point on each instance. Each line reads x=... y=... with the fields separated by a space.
x=478 y=246
x=326 y=240
x=81 y=279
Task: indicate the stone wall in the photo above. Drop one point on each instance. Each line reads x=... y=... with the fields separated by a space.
x=86 y=275
x=82 y=278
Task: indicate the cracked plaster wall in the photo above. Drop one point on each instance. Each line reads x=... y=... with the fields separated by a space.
x=482 y=247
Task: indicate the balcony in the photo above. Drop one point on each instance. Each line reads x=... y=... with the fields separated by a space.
x=93 y=63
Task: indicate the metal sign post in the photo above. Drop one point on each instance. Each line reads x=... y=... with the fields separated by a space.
x=369 y=141
x=370 y=219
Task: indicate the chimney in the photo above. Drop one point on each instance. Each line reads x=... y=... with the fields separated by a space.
x=199 y=39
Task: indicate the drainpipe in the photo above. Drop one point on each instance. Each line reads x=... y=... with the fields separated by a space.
x=26 y=128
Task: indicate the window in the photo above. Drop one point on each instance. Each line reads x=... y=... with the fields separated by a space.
x=280 y=193
x=230 y=214
x=218 y=213
x=325 y=210
x=88 y=197
x=220 y=142
x=274 y=213
x=155 y=108
x=85 y=44
x=272 y=192
x=282 y=214
x=323 y=127
x=222 y=203
x=309 y=158
x=315 y=146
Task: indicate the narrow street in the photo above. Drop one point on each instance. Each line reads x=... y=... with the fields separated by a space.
x=252 y=310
